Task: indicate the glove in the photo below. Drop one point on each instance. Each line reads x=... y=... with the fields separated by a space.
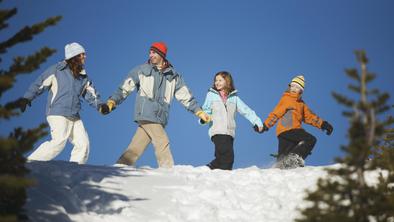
x=22 y=103
x=327 y=127
x=106 y=108
x=265 y=128
x=203 y=116
x=111 y=104
x=202 y=122
x=256 y=128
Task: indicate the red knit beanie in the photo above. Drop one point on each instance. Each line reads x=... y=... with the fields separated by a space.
x=160 y=48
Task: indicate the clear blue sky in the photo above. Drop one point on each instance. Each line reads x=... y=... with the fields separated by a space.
x=262 y=43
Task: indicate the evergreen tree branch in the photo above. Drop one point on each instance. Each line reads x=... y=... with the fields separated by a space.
x=353 y=74
x=23 y=65
x=8 y=111
x=27 y=33
x=374 y=92
x=354 y=88
x=343 y=100
x=370 y=77
x=361 y=56
x=6 y=14
x=30 y=63
x=27 y=138
x=13 y=147
x=13 y=183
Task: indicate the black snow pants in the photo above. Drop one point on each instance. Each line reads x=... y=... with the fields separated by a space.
x=296 y=141
x=224 y=152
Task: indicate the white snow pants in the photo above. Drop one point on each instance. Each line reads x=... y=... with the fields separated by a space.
x=63 y=129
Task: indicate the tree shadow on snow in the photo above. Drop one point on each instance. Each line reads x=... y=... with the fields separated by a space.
x=65 y=188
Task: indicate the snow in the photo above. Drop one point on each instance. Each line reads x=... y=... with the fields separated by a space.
x=67 y=191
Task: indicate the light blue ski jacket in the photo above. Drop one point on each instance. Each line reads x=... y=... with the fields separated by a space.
x=155 y=91
x=223 y=114
x=65 y=91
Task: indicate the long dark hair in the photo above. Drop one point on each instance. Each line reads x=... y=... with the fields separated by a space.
x=229 y=87
x=75 y=65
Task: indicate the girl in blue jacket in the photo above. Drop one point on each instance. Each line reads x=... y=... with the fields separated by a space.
x=222 y=103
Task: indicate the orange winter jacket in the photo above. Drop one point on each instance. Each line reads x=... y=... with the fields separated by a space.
x=291 y=111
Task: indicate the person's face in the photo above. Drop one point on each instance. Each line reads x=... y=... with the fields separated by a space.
x=155 y=58
x=295 y=88
x=220 y=82
x=82 y=57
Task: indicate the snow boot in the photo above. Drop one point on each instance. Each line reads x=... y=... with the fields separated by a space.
x=290 y=161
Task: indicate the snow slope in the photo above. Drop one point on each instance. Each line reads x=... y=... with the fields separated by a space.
x=70 y=192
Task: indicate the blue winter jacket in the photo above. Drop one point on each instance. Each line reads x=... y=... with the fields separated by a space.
x=223 y=114
x=155 y=91
x=65 y=91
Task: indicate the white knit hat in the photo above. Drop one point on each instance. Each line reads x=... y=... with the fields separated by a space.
x=73 y=49
x=299 y=80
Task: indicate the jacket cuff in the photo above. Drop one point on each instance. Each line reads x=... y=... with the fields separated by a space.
x=197 y=110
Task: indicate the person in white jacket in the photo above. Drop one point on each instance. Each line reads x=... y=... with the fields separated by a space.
x=66 y=81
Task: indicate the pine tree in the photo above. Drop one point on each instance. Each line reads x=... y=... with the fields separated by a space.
x=13 y=181
x=344 y=195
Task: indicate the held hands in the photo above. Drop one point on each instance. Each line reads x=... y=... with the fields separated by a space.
x=22 y=103
x=325 y=126
x=106 y=108
x=205 y=118
x=260 y=129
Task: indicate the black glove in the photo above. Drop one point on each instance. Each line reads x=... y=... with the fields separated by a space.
x=104 y=109
x=265 y=128
x=256 y=128
x=327 y=127
x=22 y=104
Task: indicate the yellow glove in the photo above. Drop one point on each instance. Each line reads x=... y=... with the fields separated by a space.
x=106 y=108
x=203 y=116
x=111 y=104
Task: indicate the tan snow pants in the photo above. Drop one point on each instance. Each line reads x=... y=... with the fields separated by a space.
x=148 y=133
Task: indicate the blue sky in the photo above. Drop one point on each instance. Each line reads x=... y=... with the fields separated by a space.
x=262 y=43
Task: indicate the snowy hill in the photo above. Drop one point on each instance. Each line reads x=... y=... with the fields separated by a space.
x=71 y=192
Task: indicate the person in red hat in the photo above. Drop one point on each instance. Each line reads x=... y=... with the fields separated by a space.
x=156 y=83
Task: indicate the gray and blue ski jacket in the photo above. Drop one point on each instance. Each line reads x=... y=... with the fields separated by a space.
x=155 y=91
x=223 y=113
x=64 y=91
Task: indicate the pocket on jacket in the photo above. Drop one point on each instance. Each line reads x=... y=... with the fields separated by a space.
x=139 y=105
x=160 y=111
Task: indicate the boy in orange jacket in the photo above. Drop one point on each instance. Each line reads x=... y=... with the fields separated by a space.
x=295 y=144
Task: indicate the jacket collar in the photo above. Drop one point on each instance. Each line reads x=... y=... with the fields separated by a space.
x=293 y=95
x=63 y=65
x=216 y=92
x=169 y=72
